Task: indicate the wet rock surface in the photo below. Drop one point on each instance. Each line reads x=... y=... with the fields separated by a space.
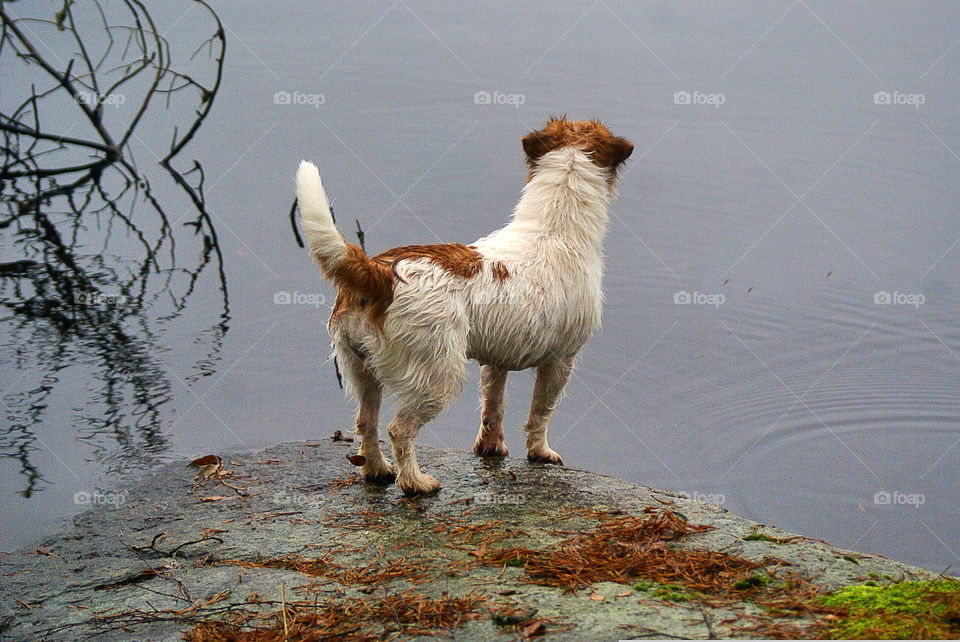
x=289 y=530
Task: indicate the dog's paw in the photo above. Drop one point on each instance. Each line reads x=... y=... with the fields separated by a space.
x=547 y=456
x=487 y=449
x=421 y=485
x=380 y=473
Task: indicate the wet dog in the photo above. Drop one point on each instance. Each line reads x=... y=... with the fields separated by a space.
x=526 y=296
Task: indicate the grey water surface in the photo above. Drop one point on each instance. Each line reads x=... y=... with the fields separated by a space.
x=780 y=333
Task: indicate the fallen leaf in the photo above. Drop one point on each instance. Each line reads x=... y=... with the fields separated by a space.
x=625 y=594
x=507 y=592
x=480 y=552
x=206 y=460
x=357 y=460
x=24 y=604
x=596 y=597
x=535 y=628
x=42 y=551
x=209 y=466
x=78 y=608
x=269 y=461
x=207 y=532
x=213 y=498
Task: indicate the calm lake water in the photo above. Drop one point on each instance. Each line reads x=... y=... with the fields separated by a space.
x=780 y=334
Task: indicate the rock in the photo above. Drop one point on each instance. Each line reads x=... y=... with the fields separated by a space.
x=292 y=525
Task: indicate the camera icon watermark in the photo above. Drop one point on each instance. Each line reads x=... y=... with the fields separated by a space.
x=99 y=299
x=699 y=98
x=896 y=498
x=297 y=500
x=898 y=298
x=298 y=98
x=93 y=99
x=683 y=297
x=497 y=98
x=898 y=98
x=514 y=499
x=98 y=498
x=696 y=496
x=283 y=297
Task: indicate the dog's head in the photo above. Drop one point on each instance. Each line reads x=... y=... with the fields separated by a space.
x=605 y=149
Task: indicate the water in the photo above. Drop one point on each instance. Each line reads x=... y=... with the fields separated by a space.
x=784 y=199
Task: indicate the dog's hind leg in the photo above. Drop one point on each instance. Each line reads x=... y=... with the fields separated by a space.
x=403 y=432
x=363 y=384
x=551 y=379
x=489 y=441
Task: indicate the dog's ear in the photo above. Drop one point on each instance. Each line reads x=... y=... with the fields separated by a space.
x=535 y=145
x=621 y=149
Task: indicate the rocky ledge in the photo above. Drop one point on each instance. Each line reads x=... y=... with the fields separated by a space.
x=288 y=544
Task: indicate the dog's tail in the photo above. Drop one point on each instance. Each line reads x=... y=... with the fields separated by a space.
x=343 y=263
x=324 y=240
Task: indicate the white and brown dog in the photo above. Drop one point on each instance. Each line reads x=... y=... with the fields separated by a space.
x=526 y=296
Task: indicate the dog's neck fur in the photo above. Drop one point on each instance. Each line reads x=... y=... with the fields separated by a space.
x=564 y=203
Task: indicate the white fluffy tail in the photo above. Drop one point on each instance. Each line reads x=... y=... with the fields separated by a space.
x=326 y=244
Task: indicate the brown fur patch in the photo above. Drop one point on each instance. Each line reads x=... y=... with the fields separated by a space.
x=499 y=271
x=457 y=259
x=606 y=150
x=363 y=283
x=367 y=283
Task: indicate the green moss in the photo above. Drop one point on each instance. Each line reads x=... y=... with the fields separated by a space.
x=905 y=610
x=759 y=537
x=852 y=559
x=674 y=593
x=752 y=581
x=667 y=592
x=514 y=561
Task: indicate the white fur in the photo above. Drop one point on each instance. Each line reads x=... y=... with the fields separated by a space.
x=325 y=243
x=538 y=317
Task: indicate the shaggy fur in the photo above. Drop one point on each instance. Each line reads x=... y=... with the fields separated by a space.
x=526 y=296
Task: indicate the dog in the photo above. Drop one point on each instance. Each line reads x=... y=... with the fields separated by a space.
x=526 y=296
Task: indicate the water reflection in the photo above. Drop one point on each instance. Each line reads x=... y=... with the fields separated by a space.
x=96 y=275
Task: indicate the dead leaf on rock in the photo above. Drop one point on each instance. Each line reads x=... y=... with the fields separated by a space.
x=535 y=628
x=209 y=465
x=596 y=597
x=207 y=532
x=42 y=551
x=625 y=594
x=213 y=498
x=357 y=460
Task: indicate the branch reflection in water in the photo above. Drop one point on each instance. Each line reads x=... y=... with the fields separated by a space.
x=95 y=274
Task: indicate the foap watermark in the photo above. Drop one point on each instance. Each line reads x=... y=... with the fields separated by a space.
x=99 y=498
x=696 y=496
x=699 y=98
x=299 y=98
x=496 y=98
x=298 y=298
x=698 y=298
x=500 y=498
x=898 y=98
x=99 y=299
x=93 y=99
x=896 y=498
x=297 y=500
x=898 y=298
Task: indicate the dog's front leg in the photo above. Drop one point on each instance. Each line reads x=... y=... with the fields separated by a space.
x=489 y=441
x=551 y=379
